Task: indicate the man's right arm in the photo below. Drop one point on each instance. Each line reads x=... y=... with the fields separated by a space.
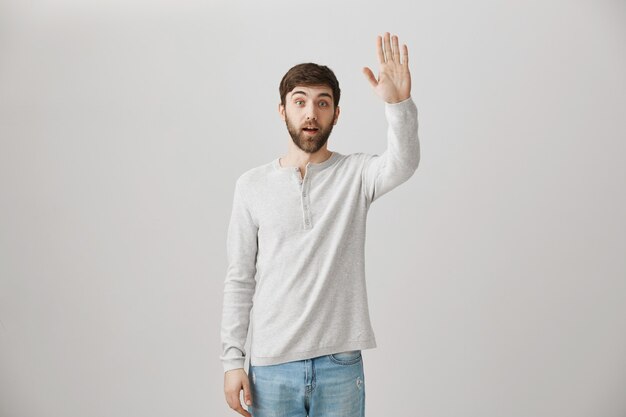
x=240 y=283
x=239 y=286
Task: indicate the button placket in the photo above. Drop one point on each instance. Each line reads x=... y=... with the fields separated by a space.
x=306 y=206
x=297 y=177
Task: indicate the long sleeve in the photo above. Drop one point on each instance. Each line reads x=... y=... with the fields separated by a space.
x=239 y=285
x=397 y=164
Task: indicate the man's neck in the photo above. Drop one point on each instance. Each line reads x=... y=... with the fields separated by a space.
x=296 y=157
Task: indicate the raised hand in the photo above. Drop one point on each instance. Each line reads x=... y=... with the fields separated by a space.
x=394 y=79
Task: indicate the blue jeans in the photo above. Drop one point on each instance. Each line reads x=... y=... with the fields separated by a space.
x=326 y=386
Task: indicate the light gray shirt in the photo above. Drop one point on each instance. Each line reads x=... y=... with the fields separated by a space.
x=296 y=248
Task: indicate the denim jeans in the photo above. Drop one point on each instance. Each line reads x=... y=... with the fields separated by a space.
x=326 y=386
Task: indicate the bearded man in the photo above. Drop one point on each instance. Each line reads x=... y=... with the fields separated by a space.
x=296 y=245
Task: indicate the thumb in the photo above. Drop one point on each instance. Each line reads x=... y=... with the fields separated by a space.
x=247 y=395
x=370 y=76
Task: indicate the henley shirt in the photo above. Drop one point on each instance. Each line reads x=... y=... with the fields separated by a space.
x=296 y=249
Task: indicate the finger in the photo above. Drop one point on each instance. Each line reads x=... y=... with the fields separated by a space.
x=243 y=412
x=379 y=49
x=388 y=52
x=405 y=55
x=395 y=49
x=235 y=404
x=370 y=77
x=233 y=400
x=247 y=394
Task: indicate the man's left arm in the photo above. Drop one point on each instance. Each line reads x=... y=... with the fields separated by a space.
x=401 y=158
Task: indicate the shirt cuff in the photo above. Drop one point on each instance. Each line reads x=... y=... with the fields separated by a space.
x=230 y=364
x=401 y=109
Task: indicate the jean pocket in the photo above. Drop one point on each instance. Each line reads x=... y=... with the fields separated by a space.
x=346 y=358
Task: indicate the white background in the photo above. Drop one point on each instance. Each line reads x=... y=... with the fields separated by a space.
x=496 y=275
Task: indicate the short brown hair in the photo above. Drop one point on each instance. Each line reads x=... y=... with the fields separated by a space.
x=309 y=74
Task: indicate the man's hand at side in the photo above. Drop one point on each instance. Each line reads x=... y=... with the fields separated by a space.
x=234 y=381
x=394 y=79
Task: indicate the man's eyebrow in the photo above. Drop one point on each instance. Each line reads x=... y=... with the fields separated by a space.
x=319 y=95
x=298 y=92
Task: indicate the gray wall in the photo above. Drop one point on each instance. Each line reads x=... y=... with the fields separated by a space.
x=496 y=275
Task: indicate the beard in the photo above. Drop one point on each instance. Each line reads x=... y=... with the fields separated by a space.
x=309 y=143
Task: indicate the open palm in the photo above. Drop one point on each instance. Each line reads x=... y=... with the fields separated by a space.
x=394 y=79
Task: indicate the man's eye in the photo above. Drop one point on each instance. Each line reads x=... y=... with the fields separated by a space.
x=298 y=102
x=323 y=104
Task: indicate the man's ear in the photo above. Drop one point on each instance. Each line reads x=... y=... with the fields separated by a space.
x=337 y=110
x=281 y=111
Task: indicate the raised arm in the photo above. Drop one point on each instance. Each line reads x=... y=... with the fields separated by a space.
x=401 y=158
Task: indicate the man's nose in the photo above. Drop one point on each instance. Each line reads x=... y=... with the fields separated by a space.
x=311 y=113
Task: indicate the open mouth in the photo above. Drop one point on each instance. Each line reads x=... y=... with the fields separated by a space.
x=310 y=130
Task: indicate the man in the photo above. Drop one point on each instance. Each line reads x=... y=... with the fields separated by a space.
x=296 y=244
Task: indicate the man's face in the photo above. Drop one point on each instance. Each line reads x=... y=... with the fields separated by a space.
x=310 y=115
